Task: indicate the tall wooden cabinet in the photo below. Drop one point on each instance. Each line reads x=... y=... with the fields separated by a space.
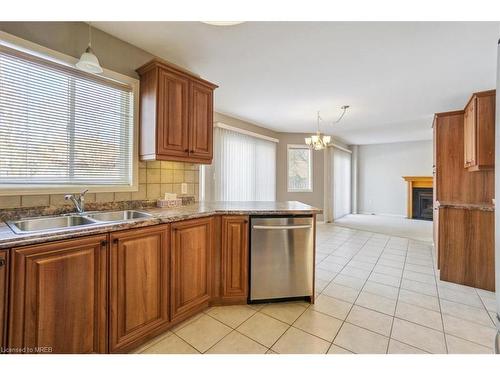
x=463 y=208
x=176 y=114
x=234 y=264
x=4 y=273
x=191 y=269
x=139 y=286
x=58 y=296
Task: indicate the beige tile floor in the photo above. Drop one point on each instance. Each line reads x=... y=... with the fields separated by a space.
x=375 y=294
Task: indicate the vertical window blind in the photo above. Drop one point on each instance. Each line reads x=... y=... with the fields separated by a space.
x=62 y=126
x=341 y=183
x=244 y=168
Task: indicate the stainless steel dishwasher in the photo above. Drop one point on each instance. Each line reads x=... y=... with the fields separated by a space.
x=281 y=257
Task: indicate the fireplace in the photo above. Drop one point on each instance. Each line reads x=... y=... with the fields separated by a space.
x=419 y=197
x=422 y=203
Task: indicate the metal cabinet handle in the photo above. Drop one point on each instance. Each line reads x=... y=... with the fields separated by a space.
x=282 y=227
x=2 y=262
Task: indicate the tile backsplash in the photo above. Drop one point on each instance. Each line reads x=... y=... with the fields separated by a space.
x=155 y=179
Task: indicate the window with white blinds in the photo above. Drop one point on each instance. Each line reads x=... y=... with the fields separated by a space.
x=243 y=169
x=60 y=126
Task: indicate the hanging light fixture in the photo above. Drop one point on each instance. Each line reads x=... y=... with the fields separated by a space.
x=318 y=141
x=88 y=61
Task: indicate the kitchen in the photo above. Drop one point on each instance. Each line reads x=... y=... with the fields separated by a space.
x=186 y=256
x=155 y=221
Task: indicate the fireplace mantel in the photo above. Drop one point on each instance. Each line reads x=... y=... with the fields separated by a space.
x=415 y=182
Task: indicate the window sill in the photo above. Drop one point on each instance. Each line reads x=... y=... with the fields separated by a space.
x=7 y=190
x=300 y=191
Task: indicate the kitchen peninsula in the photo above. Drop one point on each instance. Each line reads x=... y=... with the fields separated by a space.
x=120 y=283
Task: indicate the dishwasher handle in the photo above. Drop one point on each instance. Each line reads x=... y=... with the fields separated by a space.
x=282 y=227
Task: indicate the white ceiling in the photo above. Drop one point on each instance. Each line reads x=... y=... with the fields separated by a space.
x=395 y=75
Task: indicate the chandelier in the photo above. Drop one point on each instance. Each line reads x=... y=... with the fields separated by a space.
x=320 y=141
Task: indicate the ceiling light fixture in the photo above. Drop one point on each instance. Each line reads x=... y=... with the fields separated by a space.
x=88 y=61
x=318 y=141
x=223 y=23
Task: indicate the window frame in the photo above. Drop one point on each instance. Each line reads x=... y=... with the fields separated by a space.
x=22 y=45
x=311 y=154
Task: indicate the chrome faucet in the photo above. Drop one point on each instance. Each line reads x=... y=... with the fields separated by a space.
x=78 y=200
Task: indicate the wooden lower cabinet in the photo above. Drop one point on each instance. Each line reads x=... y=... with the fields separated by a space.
x=234 y=259
x=91 y=295
x=191 y=272
x=4 y=273
x=466 y=247
x=139 y=286
x=58 y=297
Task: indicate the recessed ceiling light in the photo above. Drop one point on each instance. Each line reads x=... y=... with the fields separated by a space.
x=223 y=23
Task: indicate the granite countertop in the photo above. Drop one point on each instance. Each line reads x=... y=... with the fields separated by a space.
x=9 y=239
x=467 y=206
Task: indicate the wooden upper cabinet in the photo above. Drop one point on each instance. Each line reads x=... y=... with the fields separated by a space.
x=470 y=134
x=454 y=183
x=172 y=132
x=191 y=275
x=4 y=272
x=176 y=114
x=201 y=121
x=58 y=296
x=235 y=258
x=479 y=132
x=139 y=286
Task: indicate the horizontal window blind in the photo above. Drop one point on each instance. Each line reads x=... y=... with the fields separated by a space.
x=62 y=126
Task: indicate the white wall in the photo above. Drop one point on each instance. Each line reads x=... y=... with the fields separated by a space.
x=381 y=188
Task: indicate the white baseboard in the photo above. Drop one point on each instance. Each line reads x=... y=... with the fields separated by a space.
x=381 y=214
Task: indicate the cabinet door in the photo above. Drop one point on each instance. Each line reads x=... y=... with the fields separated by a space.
x=467 y=247
x=235 y=257
x=58 y=296
x=470 y=134
x=485 y=131
x=201 y=121
x=172 y=125
x=192 y=243
x=138 y=286
x=4 y=272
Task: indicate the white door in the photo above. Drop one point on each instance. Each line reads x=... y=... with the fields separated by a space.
x=341 y=164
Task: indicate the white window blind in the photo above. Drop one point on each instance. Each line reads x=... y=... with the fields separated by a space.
x=62 y=126
x=341 y=183
x=244 y=168
x=299 y=168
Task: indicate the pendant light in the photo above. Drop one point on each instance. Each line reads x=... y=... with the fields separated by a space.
x=88 y=61
x=318 y=141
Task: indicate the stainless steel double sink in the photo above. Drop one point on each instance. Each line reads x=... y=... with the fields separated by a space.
x=48 y=223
